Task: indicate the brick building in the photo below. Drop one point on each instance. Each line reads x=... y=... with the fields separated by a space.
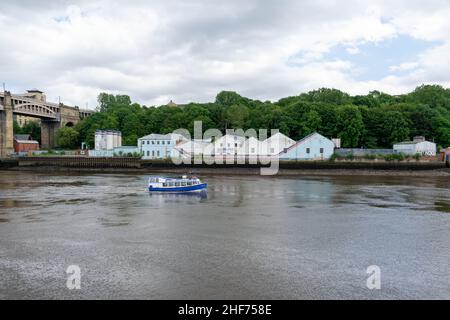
x=24 y=143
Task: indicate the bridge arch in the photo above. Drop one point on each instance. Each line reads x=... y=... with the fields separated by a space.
x=34 y=109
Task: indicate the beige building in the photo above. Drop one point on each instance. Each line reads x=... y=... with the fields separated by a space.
x=23 y=120
x=35 y=94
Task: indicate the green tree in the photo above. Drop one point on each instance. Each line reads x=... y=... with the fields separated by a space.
x=311 y=122
x=327 y=95
x=67 y=137
x=395 y=128
x=350 y=126
x=432 y=95
x=229 y=98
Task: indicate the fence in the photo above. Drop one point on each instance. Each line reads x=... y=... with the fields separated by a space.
x=362 y=152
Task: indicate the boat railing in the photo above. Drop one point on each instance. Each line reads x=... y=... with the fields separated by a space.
x=175 y=181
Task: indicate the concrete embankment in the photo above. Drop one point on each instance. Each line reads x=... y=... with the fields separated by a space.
x=8 y=163
x=129 y=164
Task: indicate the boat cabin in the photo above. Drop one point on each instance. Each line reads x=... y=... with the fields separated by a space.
x=173 y=182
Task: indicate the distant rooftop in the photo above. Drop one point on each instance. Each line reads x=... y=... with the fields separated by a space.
x=157 y=136
x=171 y=104
x=34 y=91
x=416 y=140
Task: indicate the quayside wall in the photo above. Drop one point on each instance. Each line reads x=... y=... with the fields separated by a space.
x=135 y=163
x=80 y=162
x=310 y=165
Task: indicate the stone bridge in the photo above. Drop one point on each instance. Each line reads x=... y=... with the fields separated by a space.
x=53 y=116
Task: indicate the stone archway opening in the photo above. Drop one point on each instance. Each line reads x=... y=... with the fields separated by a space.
x=69 y=124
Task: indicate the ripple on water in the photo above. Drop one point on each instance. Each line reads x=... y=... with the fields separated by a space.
x=14 y=203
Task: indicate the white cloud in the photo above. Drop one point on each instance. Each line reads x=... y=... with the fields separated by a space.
x=189 y=51
x=404 y=66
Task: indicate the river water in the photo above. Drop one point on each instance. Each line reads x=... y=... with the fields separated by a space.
x=248 y=238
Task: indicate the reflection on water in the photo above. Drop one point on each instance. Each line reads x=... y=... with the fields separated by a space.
x=246 y=237
x=178 y=196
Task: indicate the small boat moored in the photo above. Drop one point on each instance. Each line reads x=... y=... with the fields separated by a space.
x=182 y=184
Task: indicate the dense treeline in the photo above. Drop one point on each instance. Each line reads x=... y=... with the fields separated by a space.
x=376 y=120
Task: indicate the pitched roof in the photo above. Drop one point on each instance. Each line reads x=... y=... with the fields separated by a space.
x=157 y=136
x=22 y=137
x=302 y=140
x=410 y=142
x=279 y=136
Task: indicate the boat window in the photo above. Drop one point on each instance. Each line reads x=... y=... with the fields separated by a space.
x=183 y=184
x=164 y=184
x=171 y=184
x=189 y=183
x=177 y=184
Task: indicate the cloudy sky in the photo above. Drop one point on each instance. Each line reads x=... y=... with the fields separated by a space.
x=190 y=50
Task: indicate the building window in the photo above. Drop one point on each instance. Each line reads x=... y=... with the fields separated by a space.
x=148 y=153
x=157 y=153
x=163 y=142
x=235 y=145
x=321 y=150
x=272 y=150
x=153 y=153
x=168 y=142
x=153 y=142
x=253 y=150
x=157 y=142
x=308 y=150
x=221 y=144
x=167 y=153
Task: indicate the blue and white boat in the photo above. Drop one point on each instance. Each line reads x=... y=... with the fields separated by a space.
x=183 y=184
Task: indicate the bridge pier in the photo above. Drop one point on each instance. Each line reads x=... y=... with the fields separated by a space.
x=48 y=132
x=6 y=127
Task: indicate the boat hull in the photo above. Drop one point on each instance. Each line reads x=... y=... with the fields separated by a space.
x=198 y=187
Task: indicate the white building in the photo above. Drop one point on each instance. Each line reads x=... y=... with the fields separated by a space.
x=192 y=148
x=159 y=146
x=228 y=144
x=276 y=144
x=107 y=139
x=251 y=147
x=418 y=145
